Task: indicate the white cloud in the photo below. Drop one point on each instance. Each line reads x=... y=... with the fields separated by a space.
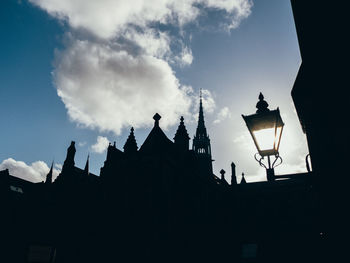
x=208 y=101
x=236 y=10
x=184 y=58
x=35 y=172
x=109 y=89
x=106 y=18
x=81 y=144
x=101 y=144
x=115 y=70
x=58 y=166
x=152 y=42
x=223 y=114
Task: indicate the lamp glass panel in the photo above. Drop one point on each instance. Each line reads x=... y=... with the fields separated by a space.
x=278 y=137
x=265 y=138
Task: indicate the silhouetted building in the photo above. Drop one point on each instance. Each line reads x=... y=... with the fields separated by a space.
x=160 y=202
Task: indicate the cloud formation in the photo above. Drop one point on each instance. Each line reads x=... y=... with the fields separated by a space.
x=101 y=144
x=116 y=68
x=223 y=114
x=35 y=172
x=109 y=89
x=107 y=19
x=81 y=144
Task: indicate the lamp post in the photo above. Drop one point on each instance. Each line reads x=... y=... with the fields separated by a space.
x=265 y=127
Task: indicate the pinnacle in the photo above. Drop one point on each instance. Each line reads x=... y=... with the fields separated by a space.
x=130 y=144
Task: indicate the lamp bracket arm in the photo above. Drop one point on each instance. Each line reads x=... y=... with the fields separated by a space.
x=260 y=160
x=278 y=157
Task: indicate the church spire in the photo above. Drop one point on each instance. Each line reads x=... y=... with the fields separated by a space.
x=201 y=126
x=181 y=138
x=86 y=169
x=201 y=141
x=49 y=175
x=130 y=145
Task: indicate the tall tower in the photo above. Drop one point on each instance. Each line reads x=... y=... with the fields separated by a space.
x=201 y=141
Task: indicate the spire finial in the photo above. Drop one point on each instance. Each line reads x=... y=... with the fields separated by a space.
x=233 y=174
x=181 y=136
x=49 y=175
x=222 y=172
x=86 y=169
x=200 y=93
x=243 y=181
x=51 y=168
x=156 y=119
x=130 y=145
x=201 y=115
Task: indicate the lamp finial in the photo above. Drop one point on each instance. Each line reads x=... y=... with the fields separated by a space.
x=262 y=104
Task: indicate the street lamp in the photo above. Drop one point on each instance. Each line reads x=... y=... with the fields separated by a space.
x=265 y=127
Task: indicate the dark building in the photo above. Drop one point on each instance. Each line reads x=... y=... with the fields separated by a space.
x=320 y=97
x=158 y=202
x=161 y=201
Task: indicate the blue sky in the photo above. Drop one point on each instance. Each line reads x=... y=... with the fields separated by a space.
x=57 y=62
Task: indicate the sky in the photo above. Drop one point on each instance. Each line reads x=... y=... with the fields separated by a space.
x=88 y=71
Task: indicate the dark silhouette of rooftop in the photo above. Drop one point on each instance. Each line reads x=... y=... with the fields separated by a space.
x=160 y=202
x=163 y=202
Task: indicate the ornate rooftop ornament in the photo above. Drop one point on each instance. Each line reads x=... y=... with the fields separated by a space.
x=156 y=119
x=243 y=181
x=130 y=144
x=222 y=172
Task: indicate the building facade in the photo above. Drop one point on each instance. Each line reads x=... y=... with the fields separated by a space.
x=158 y=202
